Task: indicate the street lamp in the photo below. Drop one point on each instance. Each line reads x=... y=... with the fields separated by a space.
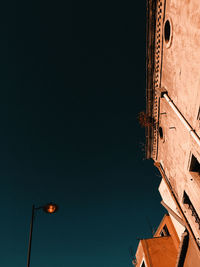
x=48 y=208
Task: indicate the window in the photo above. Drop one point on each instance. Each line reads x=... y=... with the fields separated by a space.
x=194 y=165
x=143 y=264
x=165 y=231
x=160 y=130
x=167 y=31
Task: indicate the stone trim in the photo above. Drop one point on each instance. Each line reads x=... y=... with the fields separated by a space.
x=154 y=71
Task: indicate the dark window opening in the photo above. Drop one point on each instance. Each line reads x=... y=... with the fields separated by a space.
x=143 y=264
x=165 y=231
x=167 y=31
x=194 y=165
x=160 y=130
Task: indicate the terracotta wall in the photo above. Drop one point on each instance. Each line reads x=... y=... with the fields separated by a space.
x=181 y=77
x=159 y=251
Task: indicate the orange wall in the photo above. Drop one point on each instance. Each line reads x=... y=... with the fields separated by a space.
x=167 y=220
x=159 y=251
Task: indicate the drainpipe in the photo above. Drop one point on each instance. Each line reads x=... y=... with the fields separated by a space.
x=163 y=93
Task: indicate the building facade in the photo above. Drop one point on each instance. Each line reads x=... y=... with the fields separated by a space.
x=162 y=249
x=173 y=113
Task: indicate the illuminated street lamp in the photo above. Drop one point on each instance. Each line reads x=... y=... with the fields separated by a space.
x=48 y=208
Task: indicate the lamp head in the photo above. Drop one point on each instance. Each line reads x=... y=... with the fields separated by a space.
x=50 y=208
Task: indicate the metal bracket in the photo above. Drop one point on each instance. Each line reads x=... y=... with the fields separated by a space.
x=161 y=91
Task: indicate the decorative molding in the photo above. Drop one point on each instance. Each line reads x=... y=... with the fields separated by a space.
x=160 y=10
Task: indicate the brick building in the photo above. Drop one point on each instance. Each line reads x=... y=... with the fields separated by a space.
x=172 y=118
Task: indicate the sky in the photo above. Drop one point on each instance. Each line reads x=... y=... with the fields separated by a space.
x=72 y=84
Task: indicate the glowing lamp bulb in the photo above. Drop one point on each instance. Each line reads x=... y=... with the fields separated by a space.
x=50 y=208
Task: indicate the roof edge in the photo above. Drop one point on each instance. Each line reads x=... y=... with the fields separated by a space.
x=150 y=52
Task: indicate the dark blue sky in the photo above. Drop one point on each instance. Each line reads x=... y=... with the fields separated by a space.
x=72 y=83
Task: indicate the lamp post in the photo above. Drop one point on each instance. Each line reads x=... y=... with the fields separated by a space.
x=48 y=208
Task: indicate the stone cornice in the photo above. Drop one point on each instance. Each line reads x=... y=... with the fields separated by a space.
x=154 y=44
